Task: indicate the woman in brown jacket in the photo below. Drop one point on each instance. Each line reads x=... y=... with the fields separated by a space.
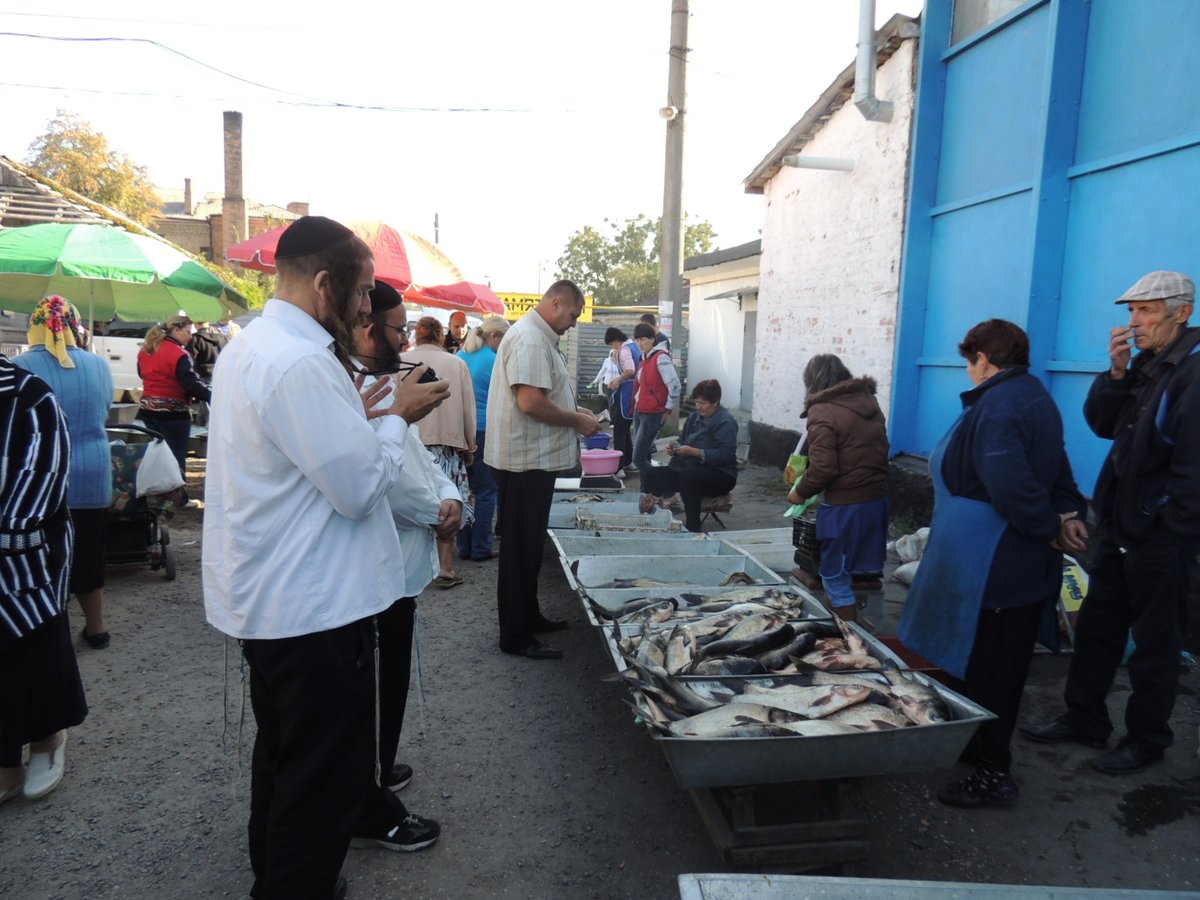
x=848 y=461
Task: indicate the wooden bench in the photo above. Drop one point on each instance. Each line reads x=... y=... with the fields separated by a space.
x=711 y=506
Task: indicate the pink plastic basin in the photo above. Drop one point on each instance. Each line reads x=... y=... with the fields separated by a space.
x=600 y=462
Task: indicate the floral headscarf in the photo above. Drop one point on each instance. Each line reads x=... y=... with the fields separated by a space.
x=55 y=326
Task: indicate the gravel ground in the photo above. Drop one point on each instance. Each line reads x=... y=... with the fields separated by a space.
x=542 y=783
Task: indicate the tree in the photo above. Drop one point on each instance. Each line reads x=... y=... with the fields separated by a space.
x=622 y=268
x=78 y=157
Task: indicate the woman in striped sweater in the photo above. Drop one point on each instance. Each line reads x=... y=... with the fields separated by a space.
x=41 y=694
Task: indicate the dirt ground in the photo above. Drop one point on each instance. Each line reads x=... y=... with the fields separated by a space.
x=542 y=782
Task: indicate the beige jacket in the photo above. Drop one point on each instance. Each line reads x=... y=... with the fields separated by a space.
x=452 y=423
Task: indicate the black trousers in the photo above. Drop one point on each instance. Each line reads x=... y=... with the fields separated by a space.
x=525 y=499
x=383 y=808
x=693 y=484
x=1144 y=589
x=313 y=699
x=996 y=673
x=622 y=437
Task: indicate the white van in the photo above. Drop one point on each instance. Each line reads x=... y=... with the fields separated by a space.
x=120 y=347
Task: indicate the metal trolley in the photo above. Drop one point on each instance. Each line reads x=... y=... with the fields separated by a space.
x=136 y=535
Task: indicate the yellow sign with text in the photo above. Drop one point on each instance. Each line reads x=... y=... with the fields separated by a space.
x=516 y=305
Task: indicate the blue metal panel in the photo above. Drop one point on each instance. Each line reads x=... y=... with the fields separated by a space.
x=993 y=110
x=918 y=226
x=1142 y=81
x=1086 y=451
x=940 y=404
x=979 y=269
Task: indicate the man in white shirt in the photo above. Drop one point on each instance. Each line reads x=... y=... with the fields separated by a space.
x=424 y=503
x=300 y=553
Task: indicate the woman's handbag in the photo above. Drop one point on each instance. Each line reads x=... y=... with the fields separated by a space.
x=159 y=472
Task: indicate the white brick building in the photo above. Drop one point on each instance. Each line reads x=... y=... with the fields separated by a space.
x=832 y=241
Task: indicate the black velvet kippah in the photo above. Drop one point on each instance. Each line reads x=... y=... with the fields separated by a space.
x=308 y=235
x=384 y=297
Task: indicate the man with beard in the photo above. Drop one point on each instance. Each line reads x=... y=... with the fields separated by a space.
x=424 y=503
x=300 y=553
x=532 y=422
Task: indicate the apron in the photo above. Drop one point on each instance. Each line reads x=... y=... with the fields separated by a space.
x=942 y=610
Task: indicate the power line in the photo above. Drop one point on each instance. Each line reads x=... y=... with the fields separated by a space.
x=307 y=99
x=236 y=26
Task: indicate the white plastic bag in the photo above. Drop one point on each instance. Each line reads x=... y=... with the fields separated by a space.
x=159 y=472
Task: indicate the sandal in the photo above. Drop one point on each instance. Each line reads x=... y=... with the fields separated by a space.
x=448 y=581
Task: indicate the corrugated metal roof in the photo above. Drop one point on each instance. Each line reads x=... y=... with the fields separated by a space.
x=727 y=254
x=894 y=32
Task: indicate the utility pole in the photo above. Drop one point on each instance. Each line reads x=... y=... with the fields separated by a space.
x=670 y=280
x=435 y=228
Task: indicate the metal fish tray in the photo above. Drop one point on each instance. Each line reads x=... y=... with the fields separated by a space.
x=615 y=598
x=605 y=497
x=754 y=536
x=808 y=607
x=573 y=545
x=566 y=515
x=747 y=886
x=721 y=762
x=875 y=647
x=608 y=520
x=678 y=572
x=777 y=557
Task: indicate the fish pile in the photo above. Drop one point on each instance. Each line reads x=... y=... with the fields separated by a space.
x=744 y=639
x=817 y=705
x=646 y=611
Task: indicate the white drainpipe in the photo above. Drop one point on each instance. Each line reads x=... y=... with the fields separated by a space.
x=829 y=163
x=872 y=108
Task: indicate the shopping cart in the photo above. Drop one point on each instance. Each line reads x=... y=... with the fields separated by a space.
x=136 y=535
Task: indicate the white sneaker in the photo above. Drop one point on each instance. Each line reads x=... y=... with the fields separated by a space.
x=45 y=771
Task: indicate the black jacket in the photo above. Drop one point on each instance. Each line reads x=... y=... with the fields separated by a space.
x=1149 y=485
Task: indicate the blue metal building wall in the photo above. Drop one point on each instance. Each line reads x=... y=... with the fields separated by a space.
x=1056 y=158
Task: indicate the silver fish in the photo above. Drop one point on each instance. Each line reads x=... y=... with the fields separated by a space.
x=738 y=578
x=725 y=716
x=870 y=717
x=919 y=703
x=810 y=702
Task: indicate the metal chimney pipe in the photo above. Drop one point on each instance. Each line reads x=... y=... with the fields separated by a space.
x=872 y=108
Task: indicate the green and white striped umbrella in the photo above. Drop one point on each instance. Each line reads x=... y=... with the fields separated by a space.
x=108 y=272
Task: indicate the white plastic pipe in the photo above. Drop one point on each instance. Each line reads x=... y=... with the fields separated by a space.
x=830 y=163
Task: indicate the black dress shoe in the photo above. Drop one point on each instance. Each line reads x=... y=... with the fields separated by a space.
x=544 y=624
x=1060 y=731
x=1127 y=757
x=535 y=650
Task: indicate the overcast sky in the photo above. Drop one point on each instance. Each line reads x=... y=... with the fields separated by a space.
x=517 y=123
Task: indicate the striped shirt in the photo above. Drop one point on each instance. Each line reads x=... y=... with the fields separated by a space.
x=35 y=527
x=517 y=442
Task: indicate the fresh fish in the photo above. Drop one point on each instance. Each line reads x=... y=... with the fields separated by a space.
x=853 y=642
x=768 y=640
x=834 y=662
x=729 y=665
x=650 y=615
x=683 y=697
x=631 y=606
x=582 y=498
x=726 y=716
x=817 y=728
x=810 y=702
x=870 y=717
x=778 y=659
x=750 y=626
x=919 y=703
x=738 y=578
x=844 y=678
x=637 y=583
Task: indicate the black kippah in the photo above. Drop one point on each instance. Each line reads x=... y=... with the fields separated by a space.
x=384 y=297
x=308 y=235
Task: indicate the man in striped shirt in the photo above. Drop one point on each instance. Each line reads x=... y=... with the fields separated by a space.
x=532 y=427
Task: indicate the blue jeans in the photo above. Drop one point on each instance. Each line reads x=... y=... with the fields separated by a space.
x=645 y=426
x=475 y=541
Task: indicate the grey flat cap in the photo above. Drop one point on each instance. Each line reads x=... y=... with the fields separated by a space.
x=1160 y=285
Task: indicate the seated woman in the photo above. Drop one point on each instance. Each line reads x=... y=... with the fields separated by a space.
x=703 y=463
x=848 y=463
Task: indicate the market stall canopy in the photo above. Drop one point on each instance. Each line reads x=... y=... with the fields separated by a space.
x=106 y=272
x=408 y=262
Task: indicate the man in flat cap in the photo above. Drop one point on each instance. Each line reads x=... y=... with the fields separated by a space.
x=1147 y=503
x=300 y=552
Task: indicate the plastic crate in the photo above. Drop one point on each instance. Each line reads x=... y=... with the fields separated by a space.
x=804 y=539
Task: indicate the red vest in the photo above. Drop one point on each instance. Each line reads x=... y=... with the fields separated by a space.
x=652 y=394
x=158 y=371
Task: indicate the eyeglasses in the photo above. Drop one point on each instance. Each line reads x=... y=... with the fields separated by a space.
x=399 y=329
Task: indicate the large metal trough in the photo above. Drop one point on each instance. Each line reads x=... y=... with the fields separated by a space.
x=681 y=572
x=573 y=545
x=726 y=886
x=565 y=515
x=722 y=762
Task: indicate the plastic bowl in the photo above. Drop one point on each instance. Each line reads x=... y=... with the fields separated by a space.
x=598 y=441
x=600 y=462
